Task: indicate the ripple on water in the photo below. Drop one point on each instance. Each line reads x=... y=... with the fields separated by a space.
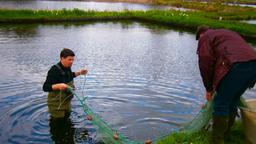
x=143 y=85
x=25 y=119
x=137 y=103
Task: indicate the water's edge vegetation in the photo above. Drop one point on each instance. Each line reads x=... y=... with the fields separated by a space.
x=203 y=137
x=188 y=20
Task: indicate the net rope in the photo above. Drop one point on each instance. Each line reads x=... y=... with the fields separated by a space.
x=111 y=136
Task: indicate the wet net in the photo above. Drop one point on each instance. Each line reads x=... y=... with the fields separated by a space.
x=111 y=136
x=107 y=134
x=201 y=120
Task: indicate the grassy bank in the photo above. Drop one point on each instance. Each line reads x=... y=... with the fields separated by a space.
x=211 y=6
x=230 y=1
x=220 y=9
x=203 y=137
x=188 y=20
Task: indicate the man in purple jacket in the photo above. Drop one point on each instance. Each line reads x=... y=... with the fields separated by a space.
x=228 y=67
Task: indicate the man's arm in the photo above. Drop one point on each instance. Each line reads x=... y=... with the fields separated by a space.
x=80 y=72
x=207 y=64
x=47 y=87
x=51 y=83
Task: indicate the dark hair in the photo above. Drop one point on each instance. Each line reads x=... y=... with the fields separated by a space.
x=201 y=29
x=66 y=52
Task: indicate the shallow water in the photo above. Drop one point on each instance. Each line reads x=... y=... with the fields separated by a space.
x=143 y=79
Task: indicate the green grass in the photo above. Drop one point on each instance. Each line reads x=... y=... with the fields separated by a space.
x=203 y=137
x=207 y=7
x=189 y=20
x=230 y=1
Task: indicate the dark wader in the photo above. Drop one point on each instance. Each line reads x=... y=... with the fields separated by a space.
x=59 y=102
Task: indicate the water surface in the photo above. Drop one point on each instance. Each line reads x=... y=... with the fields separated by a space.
x=84 y=5
x=250 y=21
x=143 y=79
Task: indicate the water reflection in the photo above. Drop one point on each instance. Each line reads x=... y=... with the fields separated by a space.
x=62 y=131
x=143 y=79
x=250 y=21
x=21 y=31
x=242 y=5
x=84 y=5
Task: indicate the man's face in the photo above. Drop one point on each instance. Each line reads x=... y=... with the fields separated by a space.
x=68 y=61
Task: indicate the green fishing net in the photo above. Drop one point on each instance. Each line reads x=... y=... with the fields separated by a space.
x=111 y=136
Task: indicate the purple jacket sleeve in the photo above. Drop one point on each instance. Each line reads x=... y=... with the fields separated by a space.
x=206 y=62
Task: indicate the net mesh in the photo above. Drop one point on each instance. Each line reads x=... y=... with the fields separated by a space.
x=201 y=120
x=107 y=134
x=111 y=136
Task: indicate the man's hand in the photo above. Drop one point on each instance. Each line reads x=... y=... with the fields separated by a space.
x=208 y=95
x=83 y=71
x=60 y=86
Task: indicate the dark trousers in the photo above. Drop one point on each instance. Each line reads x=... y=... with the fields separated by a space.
x=232 y=86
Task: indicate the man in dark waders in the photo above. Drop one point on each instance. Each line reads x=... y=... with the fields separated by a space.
x=228 y=67
x=58 y=79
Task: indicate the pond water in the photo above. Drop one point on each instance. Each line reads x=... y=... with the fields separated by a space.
x=84 y=5
x=243 y=5
x=250 y=21
x=143 y=79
